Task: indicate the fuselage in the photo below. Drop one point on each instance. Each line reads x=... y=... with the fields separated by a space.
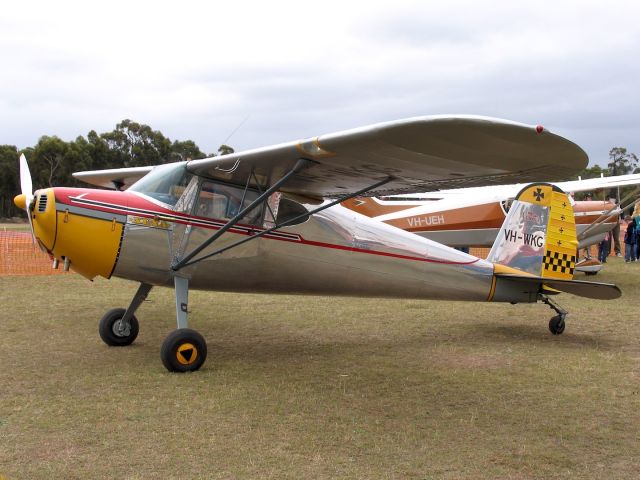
x=337 y=251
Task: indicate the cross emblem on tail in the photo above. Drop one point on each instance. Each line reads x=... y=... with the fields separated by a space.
x=539 y=194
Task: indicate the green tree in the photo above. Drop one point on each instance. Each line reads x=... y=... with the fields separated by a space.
x=186 y=150
x=225 y=149
x=9 y=181
x=621 y=161
x=102 y=157
x=78 y=157
x=137 y=144
x=45 y=161
x=594 y=172
x=53 y=161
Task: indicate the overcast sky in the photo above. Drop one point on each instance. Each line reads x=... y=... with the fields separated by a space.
x=278 y=71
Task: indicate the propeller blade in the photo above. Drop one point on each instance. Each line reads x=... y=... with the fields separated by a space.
x=26 y=186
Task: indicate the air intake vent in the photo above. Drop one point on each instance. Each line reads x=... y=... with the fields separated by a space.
x=42 y=203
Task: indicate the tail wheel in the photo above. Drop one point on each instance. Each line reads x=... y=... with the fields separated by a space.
x=116 y=334
x=184 y=350
x=556 y=325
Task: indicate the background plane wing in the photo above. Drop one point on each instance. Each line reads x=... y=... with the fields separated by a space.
x=421 y=154
x=600 y=183
x=504 y=192
x=118 y=178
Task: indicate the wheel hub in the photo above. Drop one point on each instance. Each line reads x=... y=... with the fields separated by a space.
x=121 y=329
x=187 y=353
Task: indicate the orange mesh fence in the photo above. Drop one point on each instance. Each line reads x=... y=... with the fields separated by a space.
x=19 y=256
x=479 y=252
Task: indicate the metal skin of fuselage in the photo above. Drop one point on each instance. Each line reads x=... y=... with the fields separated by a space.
x=334 y=252
x=465 y=221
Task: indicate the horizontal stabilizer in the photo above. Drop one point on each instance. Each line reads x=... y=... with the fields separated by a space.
x=596 y=290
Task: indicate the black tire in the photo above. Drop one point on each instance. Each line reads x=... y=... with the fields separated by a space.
x=108 y=328
x=184 y=350
x=590 y=273
x=557 y=325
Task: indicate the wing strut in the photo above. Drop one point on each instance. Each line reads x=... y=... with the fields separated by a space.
x=300 y=165
x=187 y=260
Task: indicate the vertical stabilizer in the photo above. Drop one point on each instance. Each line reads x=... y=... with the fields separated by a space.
x=538 y=235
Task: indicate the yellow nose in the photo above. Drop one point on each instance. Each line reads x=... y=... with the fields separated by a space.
x=20 y=201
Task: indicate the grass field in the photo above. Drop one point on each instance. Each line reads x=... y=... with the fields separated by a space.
x=316 y=387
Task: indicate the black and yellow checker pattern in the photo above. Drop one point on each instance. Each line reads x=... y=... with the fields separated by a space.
x=561 y=264
x=561 y=242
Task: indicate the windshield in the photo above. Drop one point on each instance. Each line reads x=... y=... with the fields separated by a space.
x=164 y=183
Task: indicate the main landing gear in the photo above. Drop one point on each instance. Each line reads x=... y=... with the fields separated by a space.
x=184 y=349
x=557 y=323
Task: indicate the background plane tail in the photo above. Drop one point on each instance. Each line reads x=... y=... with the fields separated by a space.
x=538 y=235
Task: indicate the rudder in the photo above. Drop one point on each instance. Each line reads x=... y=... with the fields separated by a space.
x=538 y=235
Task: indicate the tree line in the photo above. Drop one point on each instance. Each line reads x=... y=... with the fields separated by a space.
x=52 y=161
x=621 y=162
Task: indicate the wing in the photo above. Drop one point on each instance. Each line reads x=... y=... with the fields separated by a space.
x=418 y=154
x=118 y=178
x=421 y=154
x=600 y=183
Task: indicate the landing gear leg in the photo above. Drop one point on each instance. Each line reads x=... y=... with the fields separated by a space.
x=556 y=324
x=119 y=327
x=184 y=350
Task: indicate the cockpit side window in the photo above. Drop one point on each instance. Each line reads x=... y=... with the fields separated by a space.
x=220 y=201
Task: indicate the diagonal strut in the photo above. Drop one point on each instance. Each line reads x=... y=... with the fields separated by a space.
x=300 y=165
x=283 y=224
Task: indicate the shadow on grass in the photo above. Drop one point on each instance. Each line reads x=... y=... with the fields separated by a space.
x=247 y=346
x=535 y=335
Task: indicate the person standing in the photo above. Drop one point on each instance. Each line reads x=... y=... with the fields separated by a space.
x=604 y=247
x=615 y=234
x=630 y=240
x=636 y=219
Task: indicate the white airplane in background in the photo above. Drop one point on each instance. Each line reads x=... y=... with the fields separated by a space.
x=269 y=220
x=473 y=216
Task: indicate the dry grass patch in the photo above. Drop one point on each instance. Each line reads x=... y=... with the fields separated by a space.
x=316 y=387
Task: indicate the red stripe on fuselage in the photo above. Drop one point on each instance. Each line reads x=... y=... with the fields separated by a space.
x=127 y=203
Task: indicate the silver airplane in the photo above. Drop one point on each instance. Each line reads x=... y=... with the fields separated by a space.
x=269 y=220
